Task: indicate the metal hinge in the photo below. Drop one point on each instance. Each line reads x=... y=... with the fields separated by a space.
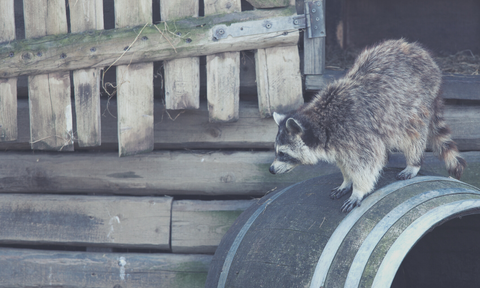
x=313 y=21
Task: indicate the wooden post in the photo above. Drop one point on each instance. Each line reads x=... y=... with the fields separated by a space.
x=223 y=72
x=279 y=81
x=8 y=87
x=182 y=76
x=314 y=60
x=87 y=15
x=134 y=86
x=49 y=94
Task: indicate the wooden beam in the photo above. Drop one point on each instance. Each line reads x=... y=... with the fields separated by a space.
x=192 y=130
x=102 y=48
x=136 y=222
x=134 y=86
x=84 y=16
x=49 y=94
x=165 y=173
x=36 y=268
x=8 y=87
x=198 y=226
x=182 y=76
x=155 y=173
x=279 y=81
x=223 y=72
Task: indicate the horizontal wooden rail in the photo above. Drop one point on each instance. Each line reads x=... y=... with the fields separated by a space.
x=191 y=129
x=164 y=41
x=165 y=173
x=140 y=222
x=34 y=268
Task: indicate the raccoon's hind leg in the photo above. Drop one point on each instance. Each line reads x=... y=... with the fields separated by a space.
x=413 y=152
x=343 y=189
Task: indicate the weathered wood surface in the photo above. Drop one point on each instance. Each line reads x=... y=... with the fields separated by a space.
x=109 y=45
x=167 y=173
x=155 y=173
x=454 y=86
x=134 y=86
x=84 y=16
x=198 y=226
x=182 y=76
x=49 y=94
x=34 y=268
x=192 y=129
x=140 y=222
x=279 y=81
x=223 y=72
x=8 y=87
x=269 y=3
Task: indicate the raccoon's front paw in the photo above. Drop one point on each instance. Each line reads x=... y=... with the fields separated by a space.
x=338 y=192
x=351 y=203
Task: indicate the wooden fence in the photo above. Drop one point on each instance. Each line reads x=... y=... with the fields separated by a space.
x=89 y=218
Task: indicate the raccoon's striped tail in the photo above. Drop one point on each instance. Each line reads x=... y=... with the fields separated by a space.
x=442 y=144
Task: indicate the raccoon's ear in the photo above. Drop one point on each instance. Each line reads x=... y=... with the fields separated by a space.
x=278 y=117
x=293 y=126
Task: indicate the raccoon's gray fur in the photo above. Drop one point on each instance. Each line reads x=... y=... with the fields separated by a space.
x=389 y=100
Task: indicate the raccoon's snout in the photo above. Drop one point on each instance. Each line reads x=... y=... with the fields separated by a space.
x=272 y=170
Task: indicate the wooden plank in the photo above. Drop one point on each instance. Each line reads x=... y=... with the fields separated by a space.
x=109 y=45
x=137 y=222
x=269 y=3
x=192 y=129
x=223 y=72
x=198 y=226
x=49 y=94
x=457 y=86
x=165 y=173
x=8 y=87
x=36 y=268
x=182 y=76
x=87 y=15
x=279 y=81
x=134 y=86
x=157 y=173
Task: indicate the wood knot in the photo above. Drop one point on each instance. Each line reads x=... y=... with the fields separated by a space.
x=214 y=132
x=228 y=178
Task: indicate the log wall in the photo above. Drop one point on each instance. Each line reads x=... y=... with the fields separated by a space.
x=90 y=218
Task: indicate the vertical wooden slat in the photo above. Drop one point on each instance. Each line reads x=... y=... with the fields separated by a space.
x=87 y=15
x=182 y=76
x=49 y=94
x=279 y=82
x=8 y=87
x=223 y=72
x=134 y=86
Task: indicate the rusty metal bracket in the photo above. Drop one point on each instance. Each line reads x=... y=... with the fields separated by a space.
x=313 y=21
x=277 y=24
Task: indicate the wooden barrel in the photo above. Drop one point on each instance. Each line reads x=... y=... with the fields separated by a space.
x=297 y=237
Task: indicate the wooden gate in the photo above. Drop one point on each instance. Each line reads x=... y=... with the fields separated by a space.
x=49 y=52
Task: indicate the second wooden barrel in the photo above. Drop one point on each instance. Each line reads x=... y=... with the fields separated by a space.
x=297 y=237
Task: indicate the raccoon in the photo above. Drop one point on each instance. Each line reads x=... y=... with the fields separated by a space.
x=388 y=101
